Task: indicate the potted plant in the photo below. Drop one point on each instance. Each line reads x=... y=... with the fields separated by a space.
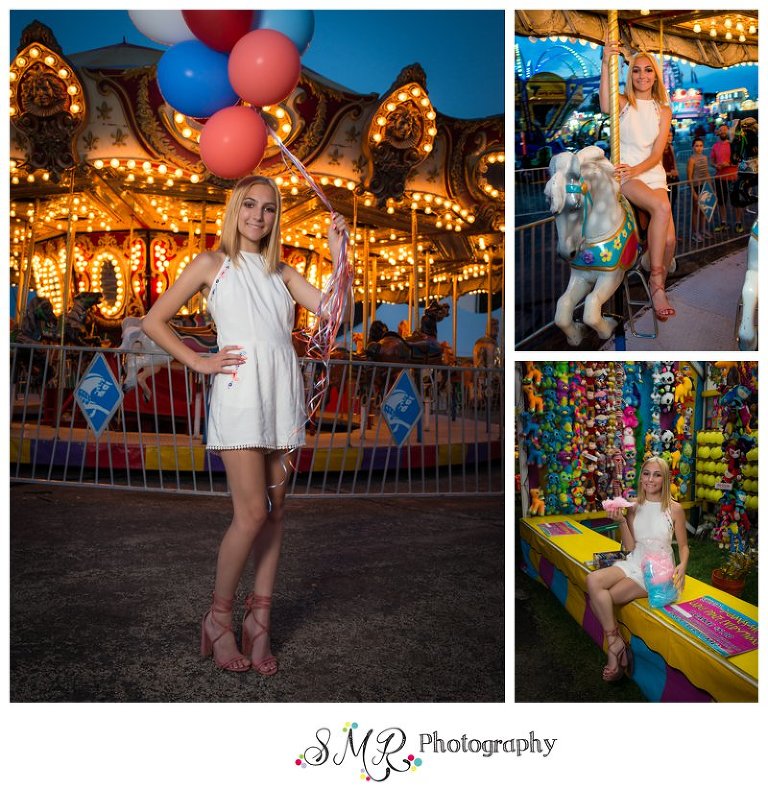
x=731 y=574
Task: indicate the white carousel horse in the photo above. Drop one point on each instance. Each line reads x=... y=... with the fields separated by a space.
x=747 y=331
x=596 y=234
x=143 y=356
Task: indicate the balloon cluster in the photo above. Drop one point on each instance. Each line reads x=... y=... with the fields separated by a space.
x=217 y=58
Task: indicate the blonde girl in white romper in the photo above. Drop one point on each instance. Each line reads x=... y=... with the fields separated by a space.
x=256 y=411
x=651 y=522
x=644 y=122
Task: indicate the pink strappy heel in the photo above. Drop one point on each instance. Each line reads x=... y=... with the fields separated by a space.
x=267 y=665
x=220 y=605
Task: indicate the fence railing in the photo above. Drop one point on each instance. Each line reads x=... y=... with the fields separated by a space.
x=155 y=440
x=540 y=277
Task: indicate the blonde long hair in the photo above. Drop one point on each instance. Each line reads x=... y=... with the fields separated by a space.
x=666 y=493
x=658 y=91
x=269 y=246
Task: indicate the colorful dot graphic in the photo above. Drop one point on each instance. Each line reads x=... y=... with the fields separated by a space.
x=348 y=726
x=300 y=761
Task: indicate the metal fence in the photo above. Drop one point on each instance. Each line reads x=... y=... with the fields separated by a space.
x=540 y=277
x=155 y=441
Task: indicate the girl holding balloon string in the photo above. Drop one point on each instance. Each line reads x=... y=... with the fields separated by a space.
x=257 y=412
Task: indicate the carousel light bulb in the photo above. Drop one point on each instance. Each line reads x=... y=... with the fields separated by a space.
x=114 y=163
x=194 y=178
x=740 y=27
x=712 y=32
x=728 y=23
x=742 y=38
x=752 y=30
x=72 y=90
x=697 y=28
x=402 y=96
x=728 y=35
x=63 y=73
x=186 y=132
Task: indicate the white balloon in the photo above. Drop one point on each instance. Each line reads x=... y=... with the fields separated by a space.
x=165 y=27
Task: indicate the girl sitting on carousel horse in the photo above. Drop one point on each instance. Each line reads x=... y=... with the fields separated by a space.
x=644 y=122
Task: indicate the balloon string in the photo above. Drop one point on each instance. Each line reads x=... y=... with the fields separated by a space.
x=322 y=338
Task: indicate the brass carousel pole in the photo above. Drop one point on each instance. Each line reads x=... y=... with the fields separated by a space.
x=490 y=295
x=366 y=316
x=375 y=286
x=613 y=87
x=500 y=339
x=65 y=298
x=454 y=316
x=413 y=313
x=28 y=251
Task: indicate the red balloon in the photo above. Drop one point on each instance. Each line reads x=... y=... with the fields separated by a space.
x=264 y=67
x=219 y=30
x=233 y=141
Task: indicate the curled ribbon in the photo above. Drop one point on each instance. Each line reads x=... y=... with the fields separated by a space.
x=322 y=338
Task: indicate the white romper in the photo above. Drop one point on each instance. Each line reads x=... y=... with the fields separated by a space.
x=653 y=532
x=638 y=130
x=262 y=404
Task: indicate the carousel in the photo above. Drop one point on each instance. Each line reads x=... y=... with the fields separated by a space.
x=109 y=194
x=110 y=199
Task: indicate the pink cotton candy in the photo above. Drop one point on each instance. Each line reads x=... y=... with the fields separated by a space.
x=619 y=501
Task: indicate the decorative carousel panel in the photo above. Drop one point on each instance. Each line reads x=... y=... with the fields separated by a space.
x=47 y=108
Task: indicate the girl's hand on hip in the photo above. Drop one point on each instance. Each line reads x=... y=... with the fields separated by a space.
x=227 y=360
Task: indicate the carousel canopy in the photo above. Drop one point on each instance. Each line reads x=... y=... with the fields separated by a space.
x=97 y=155
x=709 y=38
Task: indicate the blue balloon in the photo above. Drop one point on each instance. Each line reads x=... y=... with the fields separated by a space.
x=299 y=26
x=193 y=79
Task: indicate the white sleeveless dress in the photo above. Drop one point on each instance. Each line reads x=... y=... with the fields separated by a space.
x=262 y=404
x=653 y=531
x=638 y=130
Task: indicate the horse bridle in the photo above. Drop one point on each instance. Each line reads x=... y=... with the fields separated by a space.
x=581 y=187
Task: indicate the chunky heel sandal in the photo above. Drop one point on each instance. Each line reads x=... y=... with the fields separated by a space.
x=267 y=665
x=666 y=312
x=624 y=657
x=220 y=605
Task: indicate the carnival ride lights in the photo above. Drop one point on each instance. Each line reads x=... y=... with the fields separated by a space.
x=155 y=193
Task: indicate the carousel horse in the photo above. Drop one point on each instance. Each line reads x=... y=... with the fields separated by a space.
x=596 y=233
x=79 y=321
x=747 y=328
x=421 y=347
x=485 y=354
x=38 y=326
x=143 y=357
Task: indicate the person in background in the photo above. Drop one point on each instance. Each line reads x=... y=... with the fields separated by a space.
x=698 y=175
x=670 y=167
x=725 y=174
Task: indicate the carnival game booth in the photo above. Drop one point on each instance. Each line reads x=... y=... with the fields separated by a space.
x=583 y=431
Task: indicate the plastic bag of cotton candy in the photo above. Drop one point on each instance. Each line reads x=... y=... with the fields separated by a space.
x=658 y=571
